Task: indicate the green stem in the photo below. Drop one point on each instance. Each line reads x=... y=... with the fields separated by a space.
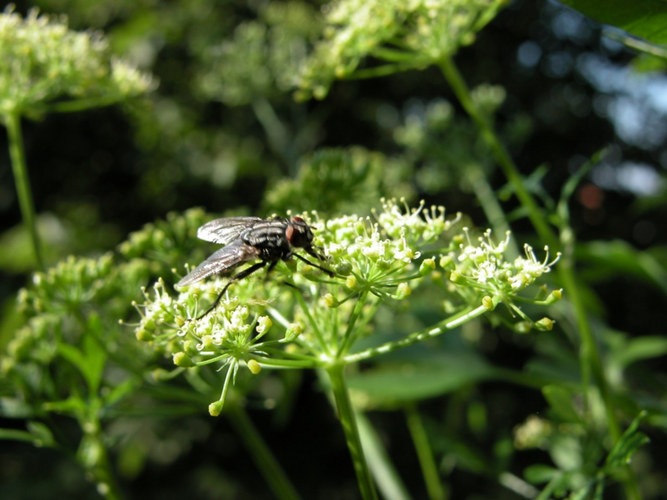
x=276 y=132
x=425 y=454
x=316 y=330
x=414 y=338
x=77 y=105
x=589 y=355
x=379 y=71
x=348 y=420
x=20 y=170
x=503 y=158
x=270 y=468
x=349 y=336
x=307 y=363
x=94 y=457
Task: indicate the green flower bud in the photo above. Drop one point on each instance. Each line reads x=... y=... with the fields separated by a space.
x=427 y=266
x=254 y=367
x=488 y=303
x=343 y=269
x=523 y=327
x=402 y=291
x=554 y=296
x=293 y=331
x=215 y=409
x=545 y=324
x=143 y=335
x=264 y=324
x=329 y=300
x=181 y=359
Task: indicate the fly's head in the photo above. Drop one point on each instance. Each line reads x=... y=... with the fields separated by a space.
x=298 y=233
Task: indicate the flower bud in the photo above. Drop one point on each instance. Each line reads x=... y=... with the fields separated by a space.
x=344 y=268
x=215 y=409
x=545 y=324
x=160 y=375
x=329 y=300
x=554 y=296
x=402 y=291
x=254 y=366
x=143 y=335
x=427 y=266
x=455 y=277
x=293 y=331
x=181 y=359
x=264 y=324
x=523 y=327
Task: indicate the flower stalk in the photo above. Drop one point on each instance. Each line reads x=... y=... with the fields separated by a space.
x=21 y=180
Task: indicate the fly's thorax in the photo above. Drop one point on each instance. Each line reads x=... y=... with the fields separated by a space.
x=267 y=235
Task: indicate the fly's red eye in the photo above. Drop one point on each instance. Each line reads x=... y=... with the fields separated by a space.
x=297 y=219
x=289 y=232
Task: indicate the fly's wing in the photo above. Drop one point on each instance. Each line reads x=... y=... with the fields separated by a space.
x=222 y=262
x=224 y=231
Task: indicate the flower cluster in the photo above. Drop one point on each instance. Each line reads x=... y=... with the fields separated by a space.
x=42 y=60
x=262 y=57
x=425 y=30
x=309 y=319
x=481 y=267
x=71 y=311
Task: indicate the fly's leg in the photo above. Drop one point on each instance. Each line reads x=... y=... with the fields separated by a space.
x=238 y=276
x=324 y=269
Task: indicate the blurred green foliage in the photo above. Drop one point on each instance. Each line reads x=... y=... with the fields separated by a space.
x=505 y=416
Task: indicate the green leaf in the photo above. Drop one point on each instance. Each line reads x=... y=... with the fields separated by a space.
x=38 y=434
x=41 y=433
x=16 y=435
x=91 y=359
x=121 y=390
x=612 y=257
x=15 y=408
x=643 y=18
x=560 y=400
x=627 y=445
x=641 y=348
x=73 y=406
x=556 y=484
x=540 y=473
x=429 y=378
x=582 y=493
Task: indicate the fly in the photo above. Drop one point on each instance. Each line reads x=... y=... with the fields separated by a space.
x=250 y=238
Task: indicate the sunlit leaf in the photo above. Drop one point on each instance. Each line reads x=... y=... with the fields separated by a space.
x=643 y=18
